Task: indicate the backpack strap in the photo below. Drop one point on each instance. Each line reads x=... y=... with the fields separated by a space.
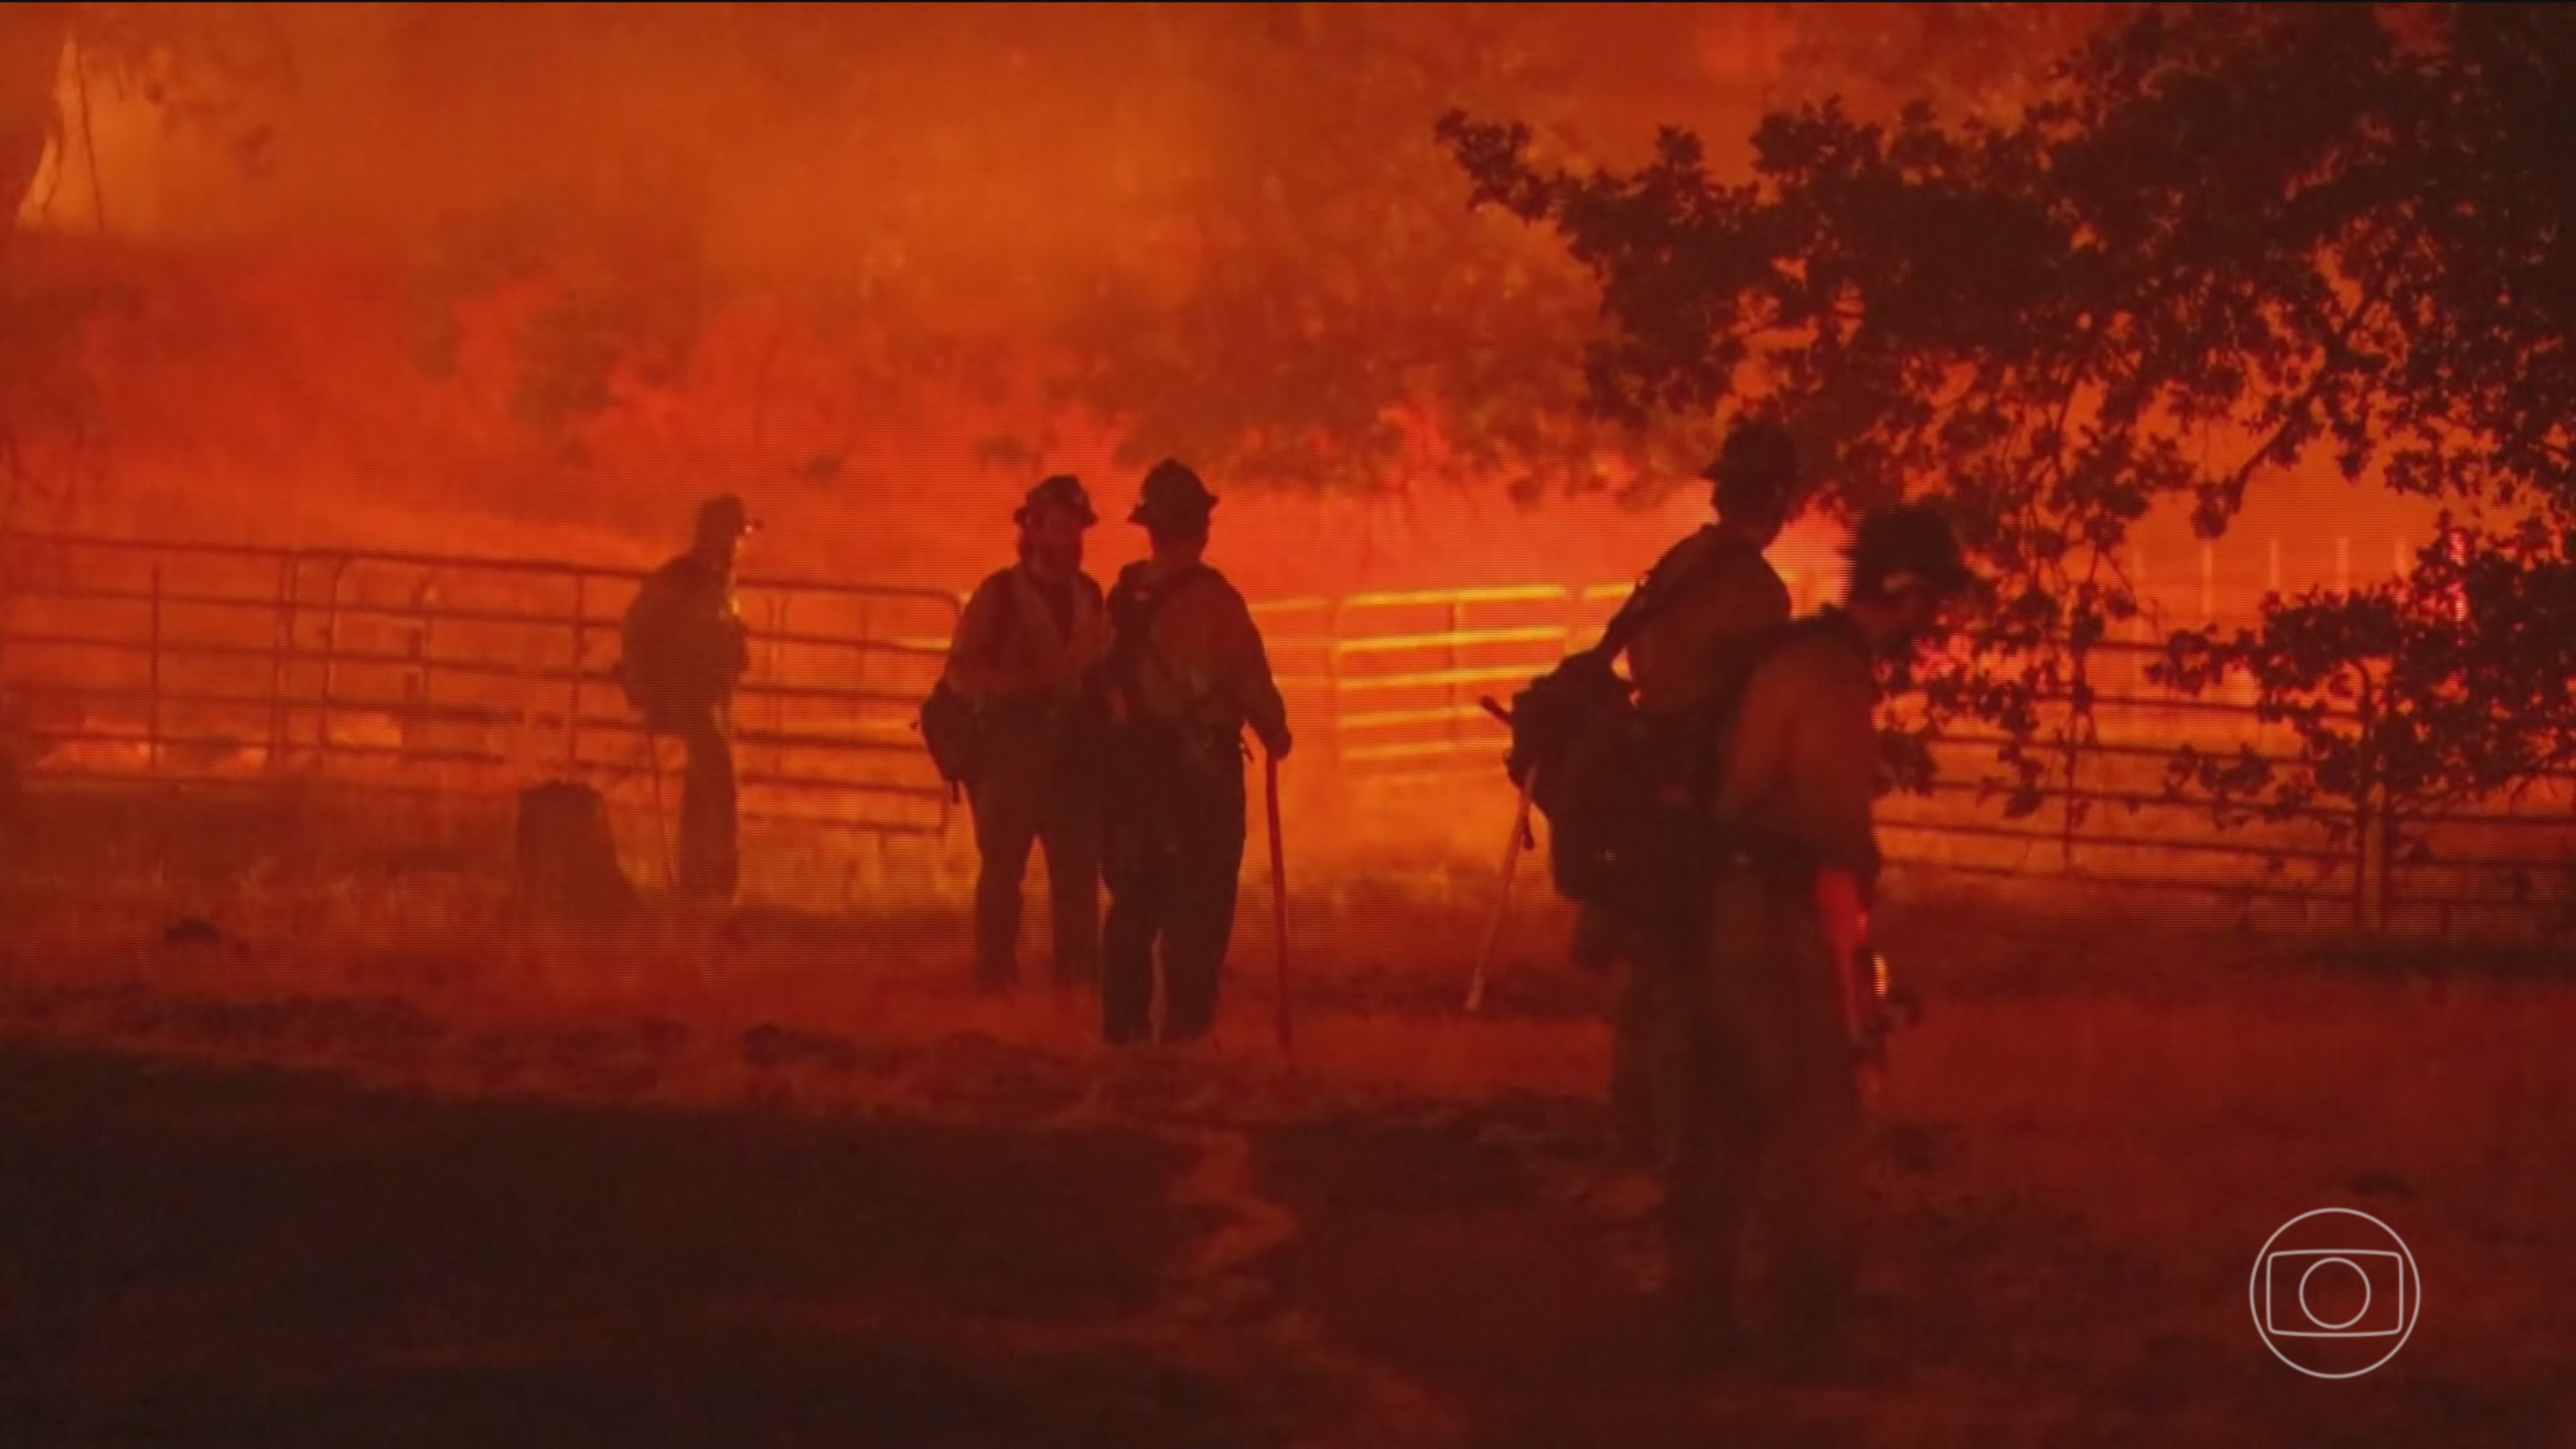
x=1655 y=591
x=1006 y=631
x=1135 y=634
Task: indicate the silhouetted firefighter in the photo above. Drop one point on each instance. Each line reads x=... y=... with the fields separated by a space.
x=685 y=651
x=1778 y=1018
x=1625 y=771
x=1025 y=666
x=1187 y=672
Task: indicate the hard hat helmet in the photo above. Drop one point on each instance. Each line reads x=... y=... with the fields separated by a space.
x=1908 y=548
x=1756 y=469
x=1061 y=490
x=1172 y=493
x=725 y=517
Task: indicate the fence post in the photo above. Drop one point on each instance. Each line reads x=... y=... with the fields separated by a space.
x=282 y=653
x=778 y=611
x=867 y=645
x=152 y=725
x=580 y=667
x=2074 y=755
x=948 y=799
x=330 y=659
x=2387 y=890
x=2272 y=564
x=2365 y=788
x=416 y=680
x=2138 y=621
x=1333 y=687
x=1457 y=622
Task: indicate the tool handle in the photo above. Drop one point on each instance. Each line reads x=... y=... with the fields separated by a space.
x=1279 y=905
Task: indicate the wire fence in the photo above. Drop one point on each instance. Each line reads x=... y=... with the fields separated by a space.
x=188 y=663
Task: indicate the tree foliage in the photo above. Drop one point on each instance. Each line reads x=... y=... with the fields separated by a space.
x=1241 y=250
x=1333 y=295
x=201 y=68
x=2305 y=229
x=2451 y=685
x=1220 y=226
x=1976 y=58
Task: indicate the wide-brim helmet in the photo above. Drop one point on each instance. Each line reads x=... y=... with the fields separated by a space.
x=1061 y=491
x=1909 y=548
x=1172 y=493
x=1755 y=473
x=725 y=517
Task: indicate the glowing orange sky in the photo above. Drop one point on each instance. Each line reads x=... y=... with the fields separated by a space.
x=1010 y=141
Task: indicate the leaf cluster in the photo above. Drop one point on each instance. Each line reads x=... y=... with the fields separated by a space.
x=2220 y=240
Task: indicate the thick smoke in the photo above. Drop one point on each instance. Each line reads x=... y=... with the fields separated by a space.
x=568 y=264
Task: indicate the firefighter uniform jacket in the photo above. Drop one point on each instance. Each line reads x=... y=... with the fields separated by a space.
x=1727 y=596
x=1801 y=766
x=1201 y=664
x=1024 y=640
x=685 y=644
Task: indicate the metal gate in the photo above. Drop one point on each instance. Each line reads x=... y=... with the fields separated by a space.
x=212 y=663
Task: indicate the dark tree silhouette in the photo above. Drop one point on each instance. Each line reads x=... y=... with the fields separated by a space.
x=1964 y=58
x=2312 y=228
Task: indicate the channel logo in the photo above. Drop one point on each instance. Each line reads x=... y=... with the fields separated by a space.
x=2335 y=1293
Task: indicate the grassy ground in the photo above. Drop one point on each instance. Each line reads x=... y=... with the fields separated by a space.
x=377 y=1168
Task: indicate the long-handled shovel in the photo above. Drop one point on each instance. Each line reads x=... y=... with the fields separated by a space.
x=1520 y=841
x=1279 y=906
x=1512 y=849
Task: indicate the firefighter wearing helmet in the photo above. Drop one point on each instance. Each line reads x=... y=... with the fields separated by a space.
x=685 y=649
x=1710 y=601
x=1187 y=672
x=1770 y=1089
x=1026 y=655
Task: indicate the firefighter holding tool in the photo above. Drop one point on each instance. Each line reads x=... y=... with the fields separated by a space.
x=1780 y=1024
x=1187 y=673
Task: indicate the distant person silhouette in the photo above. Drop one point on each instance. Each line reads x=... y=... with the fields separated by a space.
x=686 y=650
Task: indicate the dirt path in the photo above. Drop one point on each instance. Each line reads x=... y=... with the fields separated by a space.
x=638 y=1232
x=207 y=1255
x=204 y=1252
x=204 y=1257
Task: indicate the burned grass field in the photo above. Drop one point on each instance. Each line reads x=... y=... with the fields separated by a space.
x=357 y=1161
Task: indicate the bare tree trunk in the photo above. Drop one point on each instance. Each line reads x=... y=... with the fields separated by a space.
x=31 y=57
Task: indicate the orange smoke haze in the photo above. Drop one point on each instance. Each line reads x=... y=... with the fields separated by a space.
x=997 y=165
x=847 y=273
x=331 y=344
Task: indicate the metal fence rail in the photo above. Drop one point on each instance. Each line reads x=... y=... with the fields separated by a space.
x=191 y=662
x=1398 y=675
x=132 y=660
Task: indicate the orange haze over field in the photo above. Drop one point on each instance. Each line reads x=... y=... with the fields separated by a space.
x=267 y=383
x=269 y=378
